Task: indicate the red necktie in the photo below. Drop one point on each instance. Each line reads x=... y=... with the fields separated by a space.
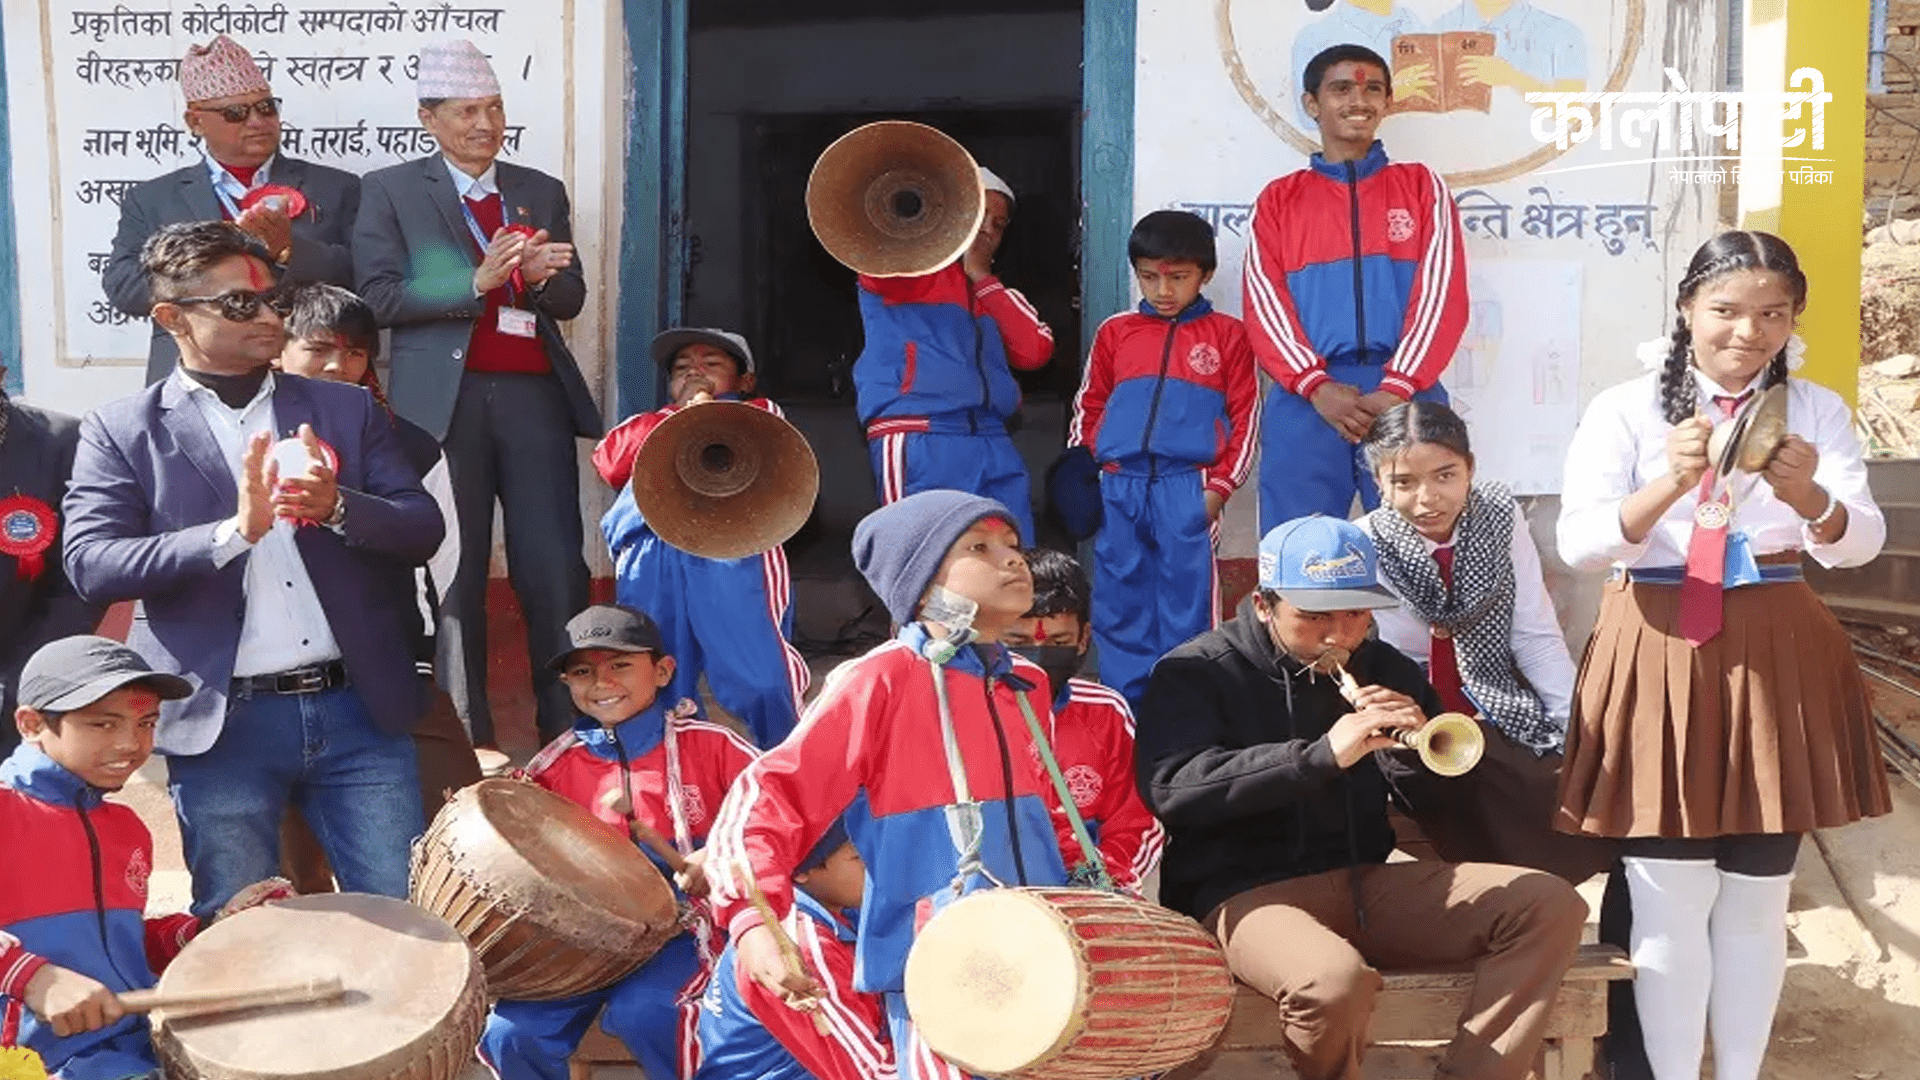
x=1443 y=665
x=1702 y=595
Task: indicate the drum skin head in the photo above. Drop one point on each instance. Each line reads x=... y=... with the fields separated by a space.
x=555 y=848
x=413 y=988
x=995 y=982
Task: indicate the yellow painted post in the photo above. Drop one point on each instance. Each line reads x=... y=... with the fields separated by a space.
x=1822 y=221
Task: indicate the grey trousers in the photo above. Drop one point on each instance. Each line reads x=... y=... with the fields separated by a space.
x=511 y=440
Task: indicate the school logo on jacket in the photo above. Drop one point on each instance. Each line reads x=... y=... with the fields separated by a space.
x=139 y=870
x=1399 y=225
x=1084 y=784
x=695 y=805
x=1203 y=358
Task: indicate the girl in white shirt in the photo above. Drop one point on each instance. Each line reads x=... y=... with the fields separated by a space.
x=1719 y=712
x=1475 y=613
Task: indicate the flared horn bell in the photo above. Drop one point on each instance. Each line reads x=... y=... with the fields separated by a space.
x=1448 y=744
x=895 y=199
x=725 y=480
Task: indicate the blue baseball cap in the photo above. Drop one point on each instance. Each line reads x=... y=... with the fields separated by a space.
x=1321 y=563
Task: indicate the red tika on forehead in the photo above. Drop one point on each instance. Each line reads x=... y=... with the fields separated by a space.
x=259 y=278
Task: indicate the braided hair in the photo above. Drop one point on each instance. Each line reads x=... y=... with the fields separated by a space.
x=1727 y=253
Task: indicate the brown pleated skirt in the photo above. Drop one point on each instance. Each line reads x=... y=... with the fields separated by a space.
x=1764 y=729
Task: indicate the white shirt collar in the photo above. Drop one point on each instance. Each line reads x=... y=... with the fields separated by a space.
x=472 y=187
x=193 y=386
x=1710 y=389
x=226 y=181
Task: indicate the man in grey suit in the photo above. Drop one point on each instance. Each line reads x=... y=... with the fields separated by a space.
x=470 y=261
x=233 y=111
x=262 y=572
x=37 y=602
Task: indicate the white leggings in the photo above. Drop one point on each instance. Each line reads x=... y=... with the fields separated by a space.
x=1709 y=951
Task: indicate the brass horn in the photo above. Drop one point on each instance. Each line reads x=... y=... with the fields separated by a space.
x=1449 y=744
x=895 y=199
x=724 y=480
x=1749 y=440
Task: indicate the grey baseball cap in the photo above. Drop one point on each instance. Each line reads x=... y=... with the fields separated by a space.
x=74 y=672
x=668 y=345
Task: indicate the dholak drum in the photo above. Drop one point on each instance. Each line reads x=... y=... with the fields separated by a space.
x=555 y=903
x=1066 y=984
x=414 y=1004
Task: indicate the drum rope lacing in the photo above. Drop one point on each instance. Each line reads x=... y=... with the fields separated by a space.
x=964 y=823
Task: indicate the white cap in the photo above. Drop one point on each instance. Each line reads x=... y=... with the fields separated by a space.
x=992 y=182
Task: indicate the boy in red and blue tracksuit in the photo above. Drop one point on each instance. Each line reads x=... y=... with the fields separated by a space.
x=626 y=758
x=1356 y=293
x=73 y=879
x=730 y=619
x=1091 y=730
x=933 y=383
x=746 y=1030
x=872 y=751
x=1168 y=408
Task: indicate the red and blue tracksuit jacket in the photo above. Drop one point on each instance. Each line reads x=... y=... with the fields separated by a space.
x=655 y=754
x=937 y=351
x=1178 y=392
x=747 y=1031
x=870 y=747
x=1356 y=263
x=73 y=890
x=742 y=646
x=1091 y=732
x=669 y=762
x=1169 y=408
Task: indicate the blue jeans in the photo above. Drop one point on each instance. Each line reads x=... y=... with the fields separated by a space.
x=357 y=787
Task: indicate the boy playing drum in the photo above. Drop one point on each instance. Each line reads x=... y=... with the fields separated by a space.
x=637 y=767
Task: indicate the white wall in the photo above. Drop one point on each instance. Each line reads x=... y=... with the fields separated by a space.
x=561 y=63
x=1557 y=316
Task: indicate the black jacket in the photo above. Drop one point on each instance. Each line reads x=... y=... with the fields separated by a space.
x=1232 y=757
x=36 y=457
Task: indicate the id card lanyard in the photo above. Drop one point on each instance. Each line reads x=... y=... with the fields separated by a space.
x=480 y=238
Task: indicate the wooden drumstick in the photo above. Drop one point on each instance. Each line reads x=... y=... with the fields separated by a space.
x=197 y=1002
x=788 y=950
x=642 y=833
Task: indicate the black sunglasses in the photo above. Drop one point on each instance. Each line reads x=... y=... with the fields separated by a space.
x=237 y=114
x=243 y=305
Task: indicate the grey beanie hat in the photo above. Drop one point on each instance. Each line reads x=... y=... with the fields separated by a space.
x=899 y=547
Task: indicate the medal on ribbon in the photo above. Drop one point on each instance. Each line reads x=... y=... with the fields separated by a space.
x=291 y=199
x=27 y=529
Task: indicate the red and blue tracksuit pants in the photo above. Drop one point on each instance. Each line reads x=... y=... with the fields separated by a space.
x=654 y=1011
x=1154 y=585
x=1305 y=466
x=729 y=619
x=969 y=452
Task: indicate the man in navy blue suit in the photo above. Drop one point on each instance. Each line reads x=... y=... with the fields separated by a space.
x=253 y=516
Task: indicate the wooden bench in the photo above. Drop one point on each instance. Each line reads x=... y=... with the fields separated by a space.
x=1413 y=1007
x=1424 y=1007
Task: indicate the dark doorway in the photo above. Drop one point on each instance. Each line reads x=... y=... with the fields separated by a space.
x=805 y=312
x=770 y=85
